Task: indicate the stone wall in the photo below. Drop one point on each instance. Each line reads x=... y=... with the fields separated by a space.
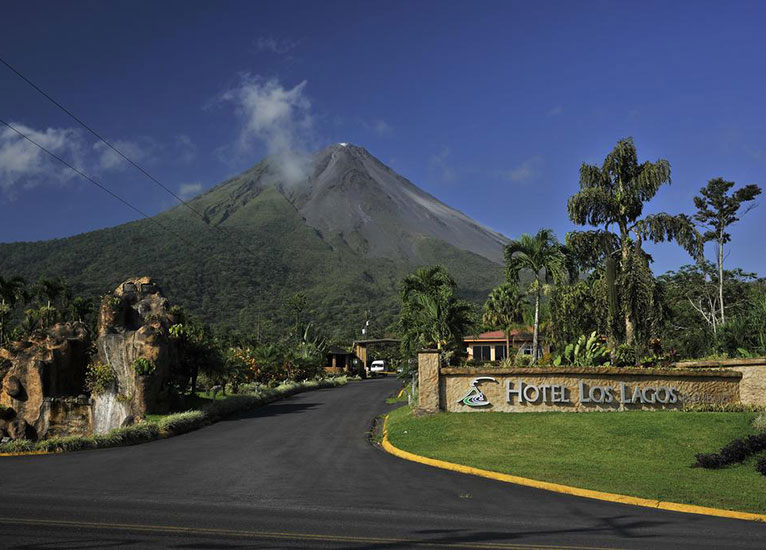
x=752 y=389
x=570 y=389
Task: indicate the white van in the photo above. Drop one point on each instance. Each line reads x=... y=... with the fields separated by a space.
x=377 y=367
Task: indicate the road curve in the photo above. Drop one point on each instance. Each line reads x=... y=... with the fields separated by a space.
x=301 y=473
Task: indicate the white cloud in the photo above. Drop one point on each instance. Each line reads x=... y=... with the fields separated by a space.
x=24 y=165
x=107 y=159
x=526 y=172
x=279 y=46
x=189 y=190
x=276 y=116
x=378 y=126
x=186 y=149
x=555 y=111
x=441 y=167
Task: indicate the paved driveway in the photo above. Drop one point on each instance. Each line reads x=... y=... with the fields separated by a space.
x=301 y=473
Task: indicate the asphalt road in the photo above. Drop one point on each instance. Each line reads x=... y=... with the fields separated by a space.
x=301 y=473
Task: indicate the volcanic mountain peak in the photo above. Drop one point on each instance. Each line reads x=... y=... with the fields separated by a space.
x=351 y=197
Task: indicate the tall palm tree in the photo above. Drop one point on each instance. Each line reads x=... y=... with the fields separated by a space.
x=544 y=257
x=614 y=195
x=431 y=314
x=504 y=308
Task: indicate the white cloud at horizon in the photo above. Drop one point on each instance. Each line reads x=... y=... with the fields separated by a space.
x=189 y=190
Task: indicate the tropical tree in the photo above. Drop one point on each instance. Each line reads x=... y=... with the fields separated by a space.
x=11 y=293
x=296 y=305
x=431 y=314
x=546 y=259
x=717 y=209
x=504 y=308
x=612 y=198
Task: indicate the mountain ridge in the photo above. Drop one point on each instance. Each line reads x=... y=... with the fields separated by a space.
x=345 y=235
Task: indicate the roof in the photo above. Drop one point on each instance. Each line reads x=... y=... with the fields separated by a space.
x=338 y=351
x=377 y=341
x=498 y=335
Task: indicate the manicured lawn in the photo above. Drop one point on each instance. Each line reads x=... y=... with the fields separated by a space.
x=645 y=454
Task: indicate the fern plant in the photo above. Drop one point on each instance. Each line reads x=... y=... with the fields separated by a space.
x=588 y=351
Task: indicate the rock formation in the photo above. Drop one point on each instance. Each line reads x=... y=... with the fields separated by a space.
x=133 y=341
x=39 y=381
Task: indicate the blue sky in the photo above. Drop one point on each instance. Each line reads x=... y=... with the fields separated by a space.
x=490 y=106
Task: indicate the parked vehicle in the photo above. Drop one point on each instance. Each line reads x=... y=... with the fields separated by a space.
x=378 y=367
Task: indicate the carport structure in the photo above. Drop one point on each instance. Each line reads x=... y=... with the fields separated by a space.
x=359 y=347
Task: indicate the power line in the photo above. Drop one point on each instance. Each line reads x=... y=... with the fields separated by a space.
x=121 y=154
x=99 y=185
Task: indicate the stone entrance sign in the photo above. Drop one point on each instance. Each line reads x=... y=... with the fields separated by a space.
x=570 y=389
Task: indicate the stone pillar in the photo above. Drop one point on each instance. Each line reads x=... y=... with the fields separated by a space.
x=428 y=381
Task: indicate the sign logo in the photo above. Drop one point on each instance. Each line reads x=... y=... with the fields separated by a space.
x=474 y=397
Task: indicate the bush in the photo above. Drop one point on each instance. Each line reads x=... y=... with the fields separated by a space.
x=759 y=423
x=179 y=423
x=588 y=351
x=143 y=366
x=625 y=356
x=760 y=466
x=733 y=452
x=99 y=378
x=522 y=360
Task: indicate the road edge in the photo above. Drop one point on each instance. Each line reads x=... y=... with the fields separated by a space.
x=565 y=489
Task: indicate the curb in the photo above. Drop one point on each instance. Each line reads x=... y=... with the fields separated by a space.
x=565 y=489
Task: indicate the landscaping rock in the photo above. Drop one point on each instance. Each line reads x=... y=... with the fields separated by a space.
x=134 y=323
x=46 y=365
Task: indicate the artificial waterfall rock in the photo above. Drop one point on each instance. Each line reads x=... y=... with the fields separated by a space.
x=133 y=342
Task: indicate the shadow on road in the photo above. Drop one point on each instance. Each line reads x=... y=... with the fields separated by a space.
x=274 y=409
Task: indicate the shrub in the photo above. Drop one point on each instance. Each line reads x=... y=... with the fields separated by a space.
x=588 y=351
x=733 y=452
x=522 y=360
x=760 y=466
x=179 y=423
x=625 y=356
x=99 y=378
x=143 y=366
x=759 y=422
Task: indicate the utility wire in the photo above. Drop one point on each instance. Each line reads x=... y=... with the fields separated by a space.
x=100 y=186
x=121 y=154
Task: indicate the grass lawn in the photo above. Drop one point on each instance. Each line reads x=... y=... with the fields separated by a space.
x=637 y=453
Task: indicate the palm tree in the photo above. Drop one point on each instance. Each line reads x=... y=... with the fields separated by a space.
x=431 y=314
x=504 y=308
x=614 y=195
x=545 y=258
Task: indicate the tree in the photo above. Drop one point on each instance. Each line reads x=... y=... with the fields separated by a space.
x=717 y=209
x=614 y=195
x=431 y=314
x=504 y=308
x=546 y=259
x=296 y=305
x=11 y=292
